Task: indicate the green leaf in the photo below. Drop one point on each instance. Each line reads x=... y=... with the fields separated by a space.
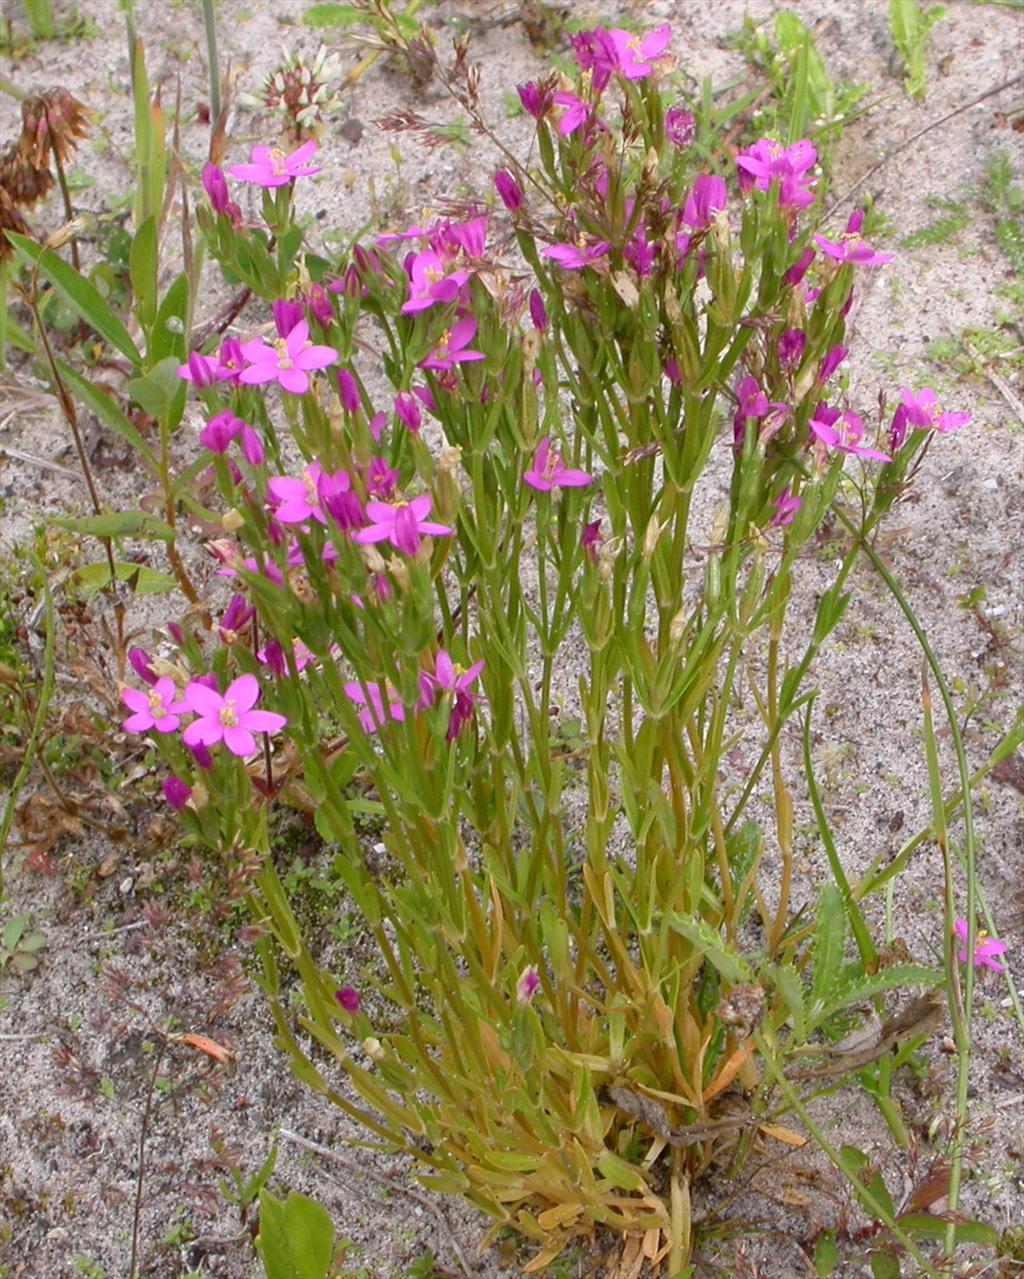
x=332 y=15
x=885 y=1265
x=142 y=269
x=827 y=952
x=787 y=983
x=155 y=391
x=13 y=930
x=80 y=295
x=107 y=410
x=932 y=1226
x=91 y=578
x=826 y=1254
x=712 y=946
x=888 y=979
x=118 y=524
x=296 y=1237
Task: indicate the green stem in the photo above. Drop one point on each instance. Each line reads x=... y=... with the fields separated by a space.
x=210 y=26
x=963 y=1054
x=42 y=705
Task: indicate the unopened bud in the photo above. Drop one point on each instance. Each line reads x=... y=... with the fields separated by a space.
x=720 y=524
x=399 y=571
x=677 y=627
x=64 y=234
x=651 y=535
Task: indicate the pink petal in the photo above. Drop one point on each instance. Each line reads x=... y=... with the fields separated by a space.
x=300 y=156
x=244 y=692
x=316 y=357
x=266 y=721
x=292 y=380
x=420 y=505
x=204 y=701
x=135 y=700
x=257 y=373
x=141 y=722
x=239 y=741
x=203 y=732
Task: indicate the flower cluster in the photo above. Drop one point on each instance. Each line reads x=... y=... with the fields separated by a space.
x=229 y=717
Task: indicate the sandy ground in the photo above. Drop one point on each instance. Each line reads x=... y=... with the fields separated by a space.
x=130 y=941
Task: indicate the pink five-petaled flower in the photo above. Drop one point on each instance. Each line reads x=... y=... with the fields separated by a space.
x=768 y=161
x=452 y=348
x=288 y=360
x=155 y=708
x=842 y=429
x=850 y=247
x=402 y=524
x=925 y=411
x=298 y=500
x=549 y=471
x=270 y=167
x=985 y=948
x=456 y=681
x=572 y=257
x=231 y=718
x=430 y=281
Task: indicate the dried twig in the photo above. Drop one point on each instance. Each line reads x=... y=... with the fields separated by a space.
x=909 y=142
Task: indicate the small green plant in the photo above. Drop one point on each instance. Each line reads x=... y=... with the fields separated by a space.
x=40 y=18
x=295 y=1239
x=20 y=946
x=910 y=24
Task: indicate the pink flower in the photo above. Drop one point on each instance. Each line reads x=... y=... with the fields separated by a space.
x=430 y=282
x=239 y=613
x=549 y=471
x=680 y=127
x=850 y=247
x=842 y=430
x=401 y=524
x=288 y=360
x=635 y=53
x=508 y=189
x=270 y=167
x=376 y=710
x=142 y=665
x=924 y=411
x=348 y=999
x=768 y=161
x=708 y=197
x=572 y=257
x=985 y=948
x=786 y=507
x=455 y=681
x=576 y=112
x=216 y=187
x=451 y=349
x=153 y=709
x=230 y=718
x=791 y=346
x=297 y=500
x=407 y=410
x=177 y=792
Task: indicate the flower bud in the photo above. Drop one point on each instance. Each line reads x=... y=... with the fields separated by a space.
x=374 y=1049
